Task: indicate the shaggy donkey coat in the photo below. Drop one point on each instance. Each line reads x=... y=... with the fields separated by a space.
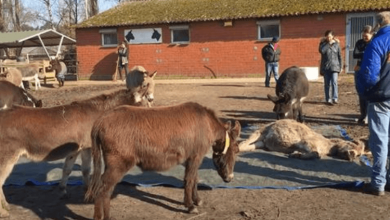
x=291 y=89
x=157 y=139
x=11 y=94
x=298 y=140
x=46 y=134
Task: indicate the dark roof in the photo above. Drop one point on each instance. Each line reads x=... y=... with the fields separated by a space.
x=181 y=11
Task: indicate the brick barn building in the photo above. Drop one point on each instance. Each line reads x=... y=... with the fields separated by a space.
x=201 y=38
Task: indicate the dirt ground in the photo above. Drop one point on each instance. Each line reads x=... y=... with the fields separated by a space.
x=244 y=101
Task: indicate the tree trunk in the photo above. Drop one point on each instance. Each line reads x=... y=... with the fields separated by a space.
x=2 y=27
x=17 y=12
x=94 y=8
x=48 y=6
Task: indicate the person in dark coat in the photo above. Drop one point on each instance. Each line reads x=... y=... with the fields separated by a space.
x=331 y=65
x=123 y=60
x=358 y=53
x=271 y=55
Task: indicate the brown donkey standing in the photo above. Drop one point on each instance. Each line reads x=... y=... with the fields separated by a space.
x=156 y=139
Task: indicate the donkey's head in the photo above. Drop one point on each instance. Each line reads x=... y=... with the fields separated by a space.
x=141 y=83
x=283 y=106
x=225 y=160
x=55 y=63
x=29 y=100
x=347 y=150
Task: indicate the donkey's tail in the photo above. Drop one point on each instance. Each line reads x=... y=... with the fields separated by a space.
x=96 y=183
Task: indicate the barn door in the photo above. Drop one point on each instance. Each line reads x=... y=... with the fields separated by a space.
x=355 y=24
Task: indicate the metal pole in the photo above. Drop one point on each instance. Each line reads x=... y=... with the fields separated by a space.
x=59 y=46
x=43 y=45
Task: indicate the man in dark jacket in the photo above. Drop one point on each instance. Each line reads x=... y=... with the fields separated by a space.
x=373 y=83
x=271 y=55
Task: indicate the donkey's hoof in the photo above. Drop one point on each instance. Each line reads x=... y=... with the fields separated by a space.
x=193 y=210
x=199 y=202
x=4 y=213
x=4 y=205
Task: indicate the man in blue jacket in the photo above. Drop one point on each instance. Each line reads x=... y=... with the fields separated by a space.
x=373 y=83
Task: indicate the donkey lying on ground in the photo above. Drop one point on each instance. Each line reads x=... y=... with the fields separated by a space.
x=54 y=133
x=11 y=94
x=291 y=89
x=137 y=76
x=299 y=141
x=156 y=139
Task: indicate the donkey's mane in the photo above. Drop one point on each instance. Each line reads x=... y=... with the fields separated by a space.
x=136 y=76
x=105 y=100
x=35 y=100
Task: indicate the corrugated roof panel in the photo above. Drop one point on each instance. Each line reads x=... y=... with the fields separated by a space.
x=7 y=37
x=31 y=38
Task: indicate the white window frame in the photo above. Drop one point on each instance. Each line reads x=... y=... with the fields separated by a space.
x=180 y=27
x=109 y=31
x=263 y=23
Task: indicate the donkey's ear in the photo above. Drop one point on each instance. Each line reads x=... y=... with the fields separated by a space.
x=228 y=125
x=274 y=99
x=153 y=74
x=236 y=131
x=287 y=97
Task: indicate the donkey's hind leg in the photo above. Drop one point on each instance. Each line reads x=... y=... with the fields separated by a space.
x=86 y=159
x=303 y=151
x=115 y=168
x=66 y=170
x=6 y=165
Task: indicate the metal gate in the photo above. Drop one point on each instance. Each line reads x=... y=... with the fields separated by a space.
x=355 y=24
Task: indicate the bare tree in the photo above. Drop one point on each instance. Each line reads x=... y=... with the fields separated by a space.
x=49 y=12
x=91 y=8
x=2 y=27
x=17 y=13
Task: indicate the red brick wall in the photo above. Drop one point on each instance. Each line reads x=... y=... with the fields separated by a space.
x=225 y=51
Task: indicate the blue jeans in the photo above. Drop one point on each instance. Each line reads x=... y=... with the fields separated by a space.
x=330 y=80
x=269 y=69
x=378 y=124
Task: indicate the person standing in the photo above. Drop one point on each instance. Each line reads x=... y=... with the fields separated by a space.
x=271 y=55
x=331 y=65
x=358 y=53
x=122 y=60
x=373 y=83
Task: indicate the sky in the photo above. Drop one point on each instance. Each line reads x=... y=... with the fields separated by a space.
x=38 y=4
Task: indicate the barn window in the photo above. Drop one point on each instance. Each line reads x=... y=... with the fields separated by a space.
x=180 y=34
x=109 y=37
x=268 y=29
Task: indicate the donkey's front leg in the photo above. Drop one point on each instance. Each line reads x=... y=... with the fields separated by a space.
x=190 y=181
x=195 y=197
x=66 y=170
x=7 y=162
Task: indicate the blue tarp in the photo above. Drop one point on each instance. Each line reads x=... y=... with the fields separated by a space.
x=253 y=170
